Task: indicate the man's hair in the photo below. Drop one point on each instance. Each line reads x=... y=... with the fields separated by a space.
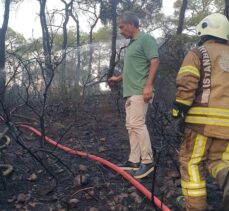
x=130 y=17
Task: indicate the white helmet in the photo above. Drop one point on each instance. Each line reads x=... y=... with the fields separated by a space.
x=216 y=25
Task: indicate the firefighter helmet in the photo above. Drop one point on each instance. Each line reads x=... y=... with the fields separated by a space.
x=216 y=25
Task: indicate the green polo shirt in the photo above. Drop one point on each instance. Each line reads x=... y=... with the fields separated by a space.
x=137 y=58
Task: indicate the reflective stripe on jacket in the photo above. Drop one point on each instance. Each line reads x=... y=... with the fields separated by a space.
x=203 y=84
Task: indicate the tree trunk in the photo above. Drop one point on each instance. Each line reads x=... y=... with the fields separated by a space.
x=76 y=19
x=91 y=50
x=78 y=52
x=114 y=36
x=46 y=42
x=91 y=47
x=226 y=11
x=47 y=69
x=64 y=48
x=3 y=30
x=182 y=16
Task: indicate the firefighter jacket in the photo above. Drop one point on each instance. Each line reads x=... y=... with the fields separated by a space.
x=203 y=84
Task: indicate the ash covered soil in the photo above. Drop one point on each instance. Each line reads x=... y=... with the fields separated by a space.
x=70 y=182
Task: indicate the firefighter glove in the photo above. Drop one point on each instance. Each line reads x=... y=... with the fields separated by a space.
x=179 y=112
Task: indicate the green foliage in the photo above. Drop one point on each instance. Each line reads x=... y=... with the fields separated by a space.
x=105 y=11
x=12 y=35
x=15 y=42
x=147 y=10
x=144 y=9
x=58 y=40
x=197 y=10
x=34 y=45
x=103 y=34
x=84 y=38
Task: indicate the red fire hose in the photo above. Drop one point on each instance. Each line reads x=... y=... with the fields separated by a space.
x=138 y=185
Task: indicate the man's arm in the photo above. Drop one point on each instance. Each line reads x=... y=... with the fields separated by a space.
x=148 y=89
x=115 y=78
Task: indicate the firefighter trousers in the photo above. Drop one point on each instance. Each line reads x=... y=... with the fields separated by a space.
x=198 y=153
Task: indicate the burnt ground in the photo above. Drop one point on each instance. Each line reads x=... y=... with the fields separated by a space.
x=96 y=127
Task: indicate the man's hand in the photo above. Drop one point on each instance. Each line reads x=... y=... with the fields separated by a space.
x=148 y=89
x=148 y=93
x=114 y=79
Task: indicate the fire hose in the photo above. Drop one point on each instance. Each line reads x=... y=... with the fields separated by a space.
x=4 y=142
x=128 y=177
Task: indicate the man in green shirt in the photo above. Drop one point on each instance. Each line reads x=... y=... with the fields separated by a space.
x=140 y=66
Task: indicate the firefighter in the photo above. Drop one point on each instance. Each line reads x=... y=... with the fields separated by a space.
x=202 y=100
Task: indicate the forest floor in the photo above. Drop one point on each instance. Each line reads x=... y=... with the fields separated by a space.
x=96 y=127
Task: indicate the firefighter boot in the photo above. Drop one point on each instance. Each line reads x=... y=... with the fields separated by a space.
x=223 y=181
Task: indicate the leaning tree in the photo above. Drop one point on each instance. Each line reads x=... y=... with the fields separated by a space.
x=3 y=31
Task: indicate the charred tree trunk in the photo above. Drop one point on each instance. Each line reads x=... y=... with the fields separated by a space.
x=91 y=47
x=182 y=16
x=47 y=69
x=46 y=42
x=226 y=11
x=64 y=47
x=78 y=52
x=91 y=50
x=3 y=30
x=114 y=36
x=76 y=19
x=65 y=32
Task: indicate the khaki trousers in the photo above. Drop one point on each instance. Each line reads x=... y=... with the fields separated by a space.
x=198 y=153
x=140 y=144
